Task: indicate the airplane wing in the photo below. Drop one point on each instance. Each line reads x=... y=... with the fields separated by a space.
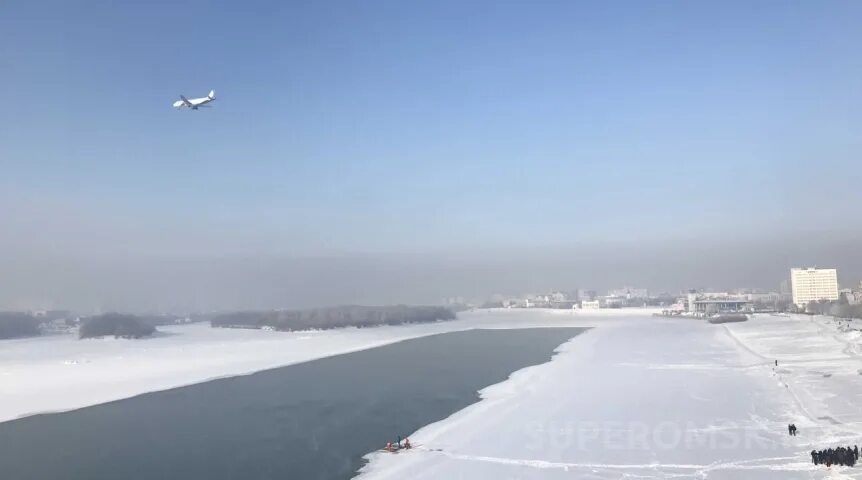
x=186 y=101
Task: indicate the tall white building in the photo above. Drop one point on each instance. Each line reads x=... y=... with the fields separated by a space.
x=809 y=284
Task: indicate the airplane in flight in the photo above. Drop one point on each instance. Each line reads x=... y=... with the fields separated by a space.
x=194 y=103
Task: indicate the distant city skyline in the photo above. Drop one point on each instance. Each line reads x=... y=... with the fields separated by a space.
x=231 y=284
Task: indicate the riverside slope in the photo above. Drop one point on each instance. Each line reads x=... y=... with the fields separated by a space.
x=659 y=398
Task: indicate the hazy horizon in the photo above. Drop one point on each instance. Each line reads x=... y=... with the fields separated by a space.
x=386 y=152
x=201 y=283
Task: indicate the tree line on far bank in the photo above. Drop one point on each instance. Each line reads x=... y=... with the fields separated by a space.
x=116 y=325
x=840 y=308
x=333 y=317
x=23 y=324
x=26 y=324
x=18 y=324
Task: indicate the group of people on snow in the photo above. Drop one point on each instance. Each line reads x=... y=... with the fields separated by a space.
x=845 y=456
x=836 y=456
x=395 y=446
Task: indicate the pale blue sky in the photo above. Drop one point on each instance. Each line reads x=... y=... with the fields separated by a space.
x=377 y=127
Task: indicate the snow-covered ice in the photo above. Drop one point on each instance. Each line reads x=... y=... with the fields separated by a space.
x=635 y=397
x=658 y=398
x=60 y=372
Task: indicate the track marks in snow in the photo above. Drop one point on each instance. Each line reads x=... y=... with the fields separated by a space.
x=786 y=377
x=688 y=470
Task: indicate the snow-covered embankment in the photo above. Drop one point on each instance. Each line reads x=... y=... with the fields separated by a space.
x=657 y=398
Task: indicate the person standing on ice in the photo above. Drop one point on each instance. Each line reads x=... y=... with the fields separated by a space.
x=856 y=451
x=814 y=457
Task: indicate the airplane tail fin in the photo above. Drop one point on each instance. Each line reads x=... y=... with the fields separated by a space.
x=212 y=95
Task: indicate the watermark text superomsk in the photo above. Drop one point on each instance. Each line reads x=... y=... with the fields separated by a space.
x=612 y=435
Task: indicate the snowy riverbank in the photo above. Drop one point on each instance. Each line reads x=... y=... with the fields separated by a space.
x=60 y=372
x=665 y=398
x=635 y=397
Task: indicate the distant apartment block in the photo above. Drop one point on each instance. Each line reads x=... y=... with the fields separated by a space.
x=612 y=302
x=815 y=284
x=784 y=289
x=590 y=304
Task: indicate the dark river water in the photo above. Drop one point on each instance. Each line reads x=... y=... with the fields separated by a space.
x=313 y=420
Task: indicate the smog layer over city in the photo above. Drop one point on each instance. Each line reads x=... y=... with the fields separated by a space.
x=377 y=240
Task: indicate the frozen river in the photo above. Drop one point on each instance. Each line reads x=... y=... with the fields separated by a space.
x=634 y=397
x=58 y=373
x=314 y=420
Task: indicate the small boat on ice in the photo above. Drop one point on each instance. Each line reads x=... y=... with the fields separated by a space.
x=395 y=447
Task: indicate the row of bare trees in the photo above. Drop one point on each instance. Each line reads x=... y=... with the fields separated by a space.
x=838 y=308
x=333 y=317
x=115 y=325
x=18 y=324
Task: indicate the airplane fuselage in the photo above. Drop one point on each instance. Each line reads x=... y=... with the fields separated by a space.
x=194 y=103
